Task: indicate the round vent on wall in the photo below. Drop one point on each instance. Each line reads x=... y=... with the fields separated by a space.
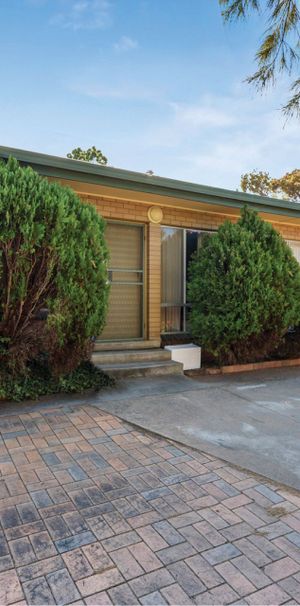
x=155 y=214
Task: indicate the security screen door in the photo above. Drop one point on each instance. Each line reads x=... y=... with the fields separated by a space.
x=125 y=308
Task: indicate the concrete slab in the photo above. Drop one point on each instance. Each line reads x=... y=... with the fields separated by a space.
x=250 y=419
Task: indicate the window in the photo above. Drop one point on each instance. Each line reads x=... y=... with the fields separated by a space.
x=177 y=248
x=295 y=246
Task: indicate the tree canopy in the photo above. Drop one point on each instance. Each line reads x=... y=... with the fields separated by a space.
x=280 y=46
x=92 y=154
x=244 y=288
x=260 y=182
x=53 y=272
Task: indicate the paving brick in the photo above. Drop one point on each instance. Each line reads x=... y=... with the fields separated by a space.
x=253 y=553
x=235 y=578
x=213 y=536
x=222 y=594
x=153 y=539
x=122 y=540
x=146 y=558
x=10 y=588
x=267 y=547
x=174 y=594
x=221 y=554
x=194 y=537
x=126 y=563
x=42 y=567
x=272 y=531
x=6 y=563
x=152 y=581
x=213 y=518
x=42 y=545
x=116 y=522
x=57 y=527
x=248 y=516
x=273 y=496
x=97 y=557
x=153 y=599
x=28 y=513
x=175 y=553
x=207 y=573
x=62 y=586
x=58 y=495
x=100 y=527
x=22 y=551
x=101 y=599
x=281 y=569
x=171 y=536
x=77 y=564
x=292 y=587
x=273 y=594
x=9 y=517
x=294 y=537
x=99 y=582
x=122 y=594
x=233 y=502
x=186 y=578
x=83 y=538
x=41 y=498
x=252 y=572
x=185 y=519
x=75 y=522
x=38 y=592
x=288 y=548
x=228 y=515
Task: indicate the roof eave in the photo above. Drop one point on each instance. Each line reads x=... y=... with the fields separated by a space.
x=64 y=168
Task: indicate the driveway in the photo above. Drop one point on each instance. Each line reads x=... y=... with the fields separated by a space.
x=94 y=511
x=250 y=419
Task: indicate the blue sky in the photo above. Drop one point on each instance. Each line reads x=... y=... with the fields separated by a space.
x=156 y=84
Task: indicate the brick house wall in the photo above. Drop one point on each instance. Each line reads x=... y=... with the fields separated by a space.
x=122 y=210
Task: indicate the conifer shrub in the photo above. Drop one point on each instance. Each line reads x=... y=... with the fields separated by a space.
x=244 y=289
x=53 y=274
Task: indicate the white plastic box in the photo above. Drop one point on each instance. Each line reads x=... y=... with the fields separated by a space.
x=188 y=354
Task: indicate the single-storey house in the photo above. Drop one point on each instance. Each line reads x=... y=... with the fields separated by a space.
x=154 y=225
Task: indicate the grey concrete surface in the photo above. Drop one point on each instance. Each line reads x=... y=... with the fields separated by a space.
x=249 y=419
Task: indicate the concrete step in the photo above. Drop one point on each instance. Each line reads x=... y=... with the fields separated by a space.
x=130 y=356
x=124 y=345
x=143 y=369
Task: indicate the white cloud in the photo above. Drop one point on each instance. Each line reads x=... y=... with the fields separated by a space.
x=83 y=14
x=218 y=138
x=125 y=44
x=202 y=115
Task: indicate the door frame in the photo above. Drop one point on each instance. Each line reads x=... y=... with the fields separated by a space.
x=143 y=285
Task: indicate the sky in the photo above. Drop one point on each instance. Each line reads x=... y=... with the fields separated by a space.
x=155 y=84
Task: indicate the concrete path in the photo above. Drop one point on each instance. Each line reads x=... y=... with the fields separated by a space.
x=251 y=419
x=96 y=512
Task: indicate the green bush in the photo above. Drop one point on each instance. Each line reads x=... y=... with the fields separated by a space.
x=40 y=382
x=244 y=288
x=52 y=256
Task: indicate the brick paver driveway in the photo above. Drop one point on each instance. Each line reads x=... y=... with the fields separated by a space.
x=94 y=511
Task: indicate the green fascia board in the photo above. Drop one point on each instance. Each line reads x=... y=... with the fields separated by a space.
x=76 y=170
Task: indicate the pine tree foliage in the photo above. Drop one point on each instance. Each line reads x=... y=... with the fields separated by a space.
x=52 y=256
x=92 y=154
x=244 y=287
x=280 y=47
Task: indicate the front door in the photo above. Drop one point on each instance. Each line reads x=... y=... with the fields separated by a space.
x=125 y=308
